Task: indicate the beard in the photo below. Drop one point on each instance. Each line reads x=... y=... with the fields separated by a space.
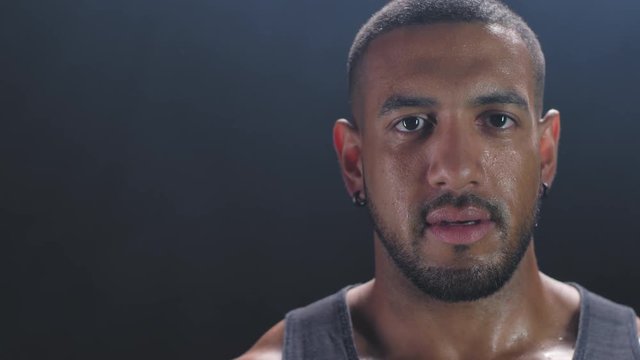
x=457 y=284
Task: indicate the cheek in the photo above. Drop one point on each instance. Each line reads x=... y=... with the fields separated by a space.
x=392 y=175
x=515 y=173
x=393 y=168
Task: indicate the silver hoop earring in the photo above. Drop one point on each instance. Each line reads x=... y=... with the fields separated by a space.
x=545 y=190
x=357 y=200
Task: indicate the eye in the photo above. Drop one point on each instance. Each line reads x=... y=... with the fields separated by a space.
x=500 y=121
x=411 y=123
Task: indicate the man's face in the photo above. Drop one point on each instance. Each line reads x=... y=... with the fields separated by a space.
x=449 y=153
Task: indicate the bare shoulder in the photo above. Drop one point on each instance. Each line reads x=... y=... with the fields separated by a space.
x=638 y=325
x=268 y=347
x=565 y=296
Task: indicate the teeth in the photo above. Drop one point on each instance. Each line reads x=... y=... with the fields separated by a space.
x=460 y=223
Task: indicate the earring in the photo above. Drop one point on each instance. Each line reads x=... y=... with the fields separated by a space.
x=357 y=200
x=545 y=190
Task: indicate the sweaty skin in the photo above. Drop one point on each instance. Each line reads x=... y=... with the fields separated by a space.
x=452 y=66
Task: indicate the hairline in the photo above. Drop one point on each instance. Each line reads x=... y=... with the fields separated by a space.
x=536 y=56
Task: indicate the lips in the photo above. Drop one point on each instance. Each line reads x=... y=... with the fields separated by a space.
x=459 y=226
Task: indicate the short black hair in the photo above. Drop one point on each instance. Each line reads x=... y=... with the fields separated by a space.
x=401 y=13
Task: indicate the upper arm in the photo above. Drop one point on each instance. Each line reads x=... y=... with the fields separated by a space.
x=638 y=326
x=269 y=346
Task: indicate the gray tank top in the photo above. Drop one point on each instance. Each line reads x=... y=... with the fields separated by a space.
x=322 y=330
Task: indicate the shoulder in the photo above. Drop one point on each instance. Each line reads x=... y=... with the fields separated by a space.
x=269 y=346
x=604 y=302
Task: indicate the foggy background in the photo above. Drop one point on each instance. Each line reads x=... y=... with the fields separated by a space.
x=168 y=184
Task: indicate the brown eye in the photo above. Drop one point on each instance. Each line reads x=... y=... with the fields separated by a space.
x=500 y=121
x=411 y=123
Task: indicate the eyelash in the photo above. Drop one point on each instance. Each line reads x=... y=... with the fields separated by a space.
x=486 y=118
x=426 y=121
x=430 y=120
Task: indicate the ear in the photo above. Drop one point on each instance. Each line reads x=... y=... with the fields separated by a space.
x=347 y=143
x=549 y=138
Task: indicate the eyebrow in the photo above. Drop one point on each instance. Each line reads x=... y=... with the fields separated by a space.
x=506 y=97
x=395 y=102
x=501 y=97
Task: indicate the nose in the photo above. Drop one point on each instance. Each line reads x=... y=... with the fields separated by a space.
x=455 y=158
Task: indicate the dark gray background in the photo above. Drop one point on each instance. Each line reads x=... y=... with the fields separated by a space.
x=169 y=187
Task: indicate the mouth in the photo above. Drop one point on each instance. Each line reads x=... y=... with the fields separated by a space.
x=459 y=223
x=459 y=226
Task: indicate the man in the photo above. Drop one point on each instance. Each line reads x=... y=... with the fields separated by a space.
x=451 y=154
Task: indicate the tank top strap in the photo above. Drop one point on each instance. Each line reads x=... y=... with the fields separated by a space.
x=607 y=330
x=319 y=331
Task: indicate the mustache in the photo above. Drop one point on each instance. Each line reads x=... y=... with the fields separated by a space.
x=495 y=209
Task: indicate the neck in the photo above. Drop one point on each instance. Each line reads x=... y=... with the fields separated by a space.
x=407 y=318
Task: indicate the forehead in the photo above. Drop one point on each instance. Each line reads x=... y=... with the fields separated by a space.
x=451 y=60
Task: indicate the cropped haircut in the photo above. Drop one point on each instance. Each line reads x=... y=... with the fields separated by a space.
x=401 y=13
